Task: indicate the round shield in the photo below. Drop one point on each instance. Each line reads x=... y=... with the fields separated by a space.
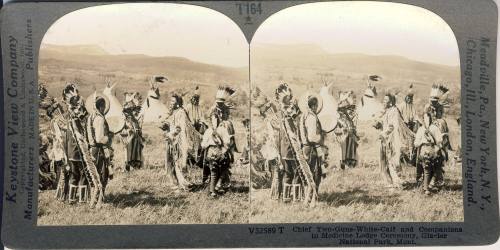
x=368 y=109
x=115 y=123
x=328 y=115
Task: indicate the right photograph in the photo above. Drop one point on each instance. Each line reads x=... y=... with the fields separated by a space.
x=355 y=110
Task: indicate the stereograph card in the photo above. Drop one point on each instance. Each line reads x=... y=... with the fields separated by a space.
x=202 y=124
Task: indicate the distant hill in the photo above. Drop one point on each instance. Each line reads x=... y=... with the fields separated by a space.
x=73 y=49
x=309 y=67
x=265 y=51
x=94 y=57
x=302 y=65
x=89 y=63
x=283 y=57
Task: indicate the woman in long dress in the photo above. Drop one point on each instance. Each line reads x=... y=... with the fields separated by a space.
x=346 y=130
x=132 y=135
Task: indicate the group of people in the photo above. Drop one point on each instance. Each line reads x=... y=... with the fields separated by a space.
x=80 y=142
x=419 y=140
x=193 y=140
x=405 y=137
x=76 y=147
x=77 y=144
x=298 y=139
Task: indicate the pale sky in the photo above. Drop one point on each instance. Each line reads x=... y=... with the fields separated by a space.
x=204 y=35
x=155 y=29
x=374 y=28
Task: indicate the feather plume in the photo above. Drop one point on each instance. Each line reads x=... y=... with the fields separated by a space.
x=374 y=78
x=230 y=91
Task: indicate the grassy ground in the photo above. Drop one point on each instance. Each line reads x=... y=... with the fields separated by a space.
x=359 y=195
x=352 y=195
x=143 y=197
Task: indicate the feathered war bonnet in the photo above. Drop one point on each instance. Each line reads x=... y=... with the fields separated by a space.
x=410 y=91
x=74 y=101
x=224 y=93
x=69 y=91
x=282 y=92
x=439 y=93
x=42 y=91
x=196 y=92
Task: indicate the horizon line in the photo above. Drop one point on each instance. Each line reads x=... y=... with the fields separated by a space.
x=256 y=44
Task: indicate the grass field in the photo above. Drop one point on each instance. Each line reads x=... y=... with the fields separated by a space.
x=143 y=197
x=360 y=195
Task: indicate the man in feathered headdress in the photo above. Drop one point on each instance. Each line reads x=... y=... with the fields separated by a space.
x=435 y=107
x=77 y=115
x=265 y=143
x=50 y=164
x=52 y=154
x=221 y=110
x=429 y=144
x=219 y=142
x=286 y=175
x=47 y=103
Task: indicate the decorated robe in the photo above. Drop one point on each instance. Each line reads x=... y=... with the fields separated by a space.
x=396 y=140
x=132 y=134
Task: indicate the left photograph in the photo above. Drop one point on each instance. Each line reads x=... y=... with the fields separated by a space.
x=143 y=117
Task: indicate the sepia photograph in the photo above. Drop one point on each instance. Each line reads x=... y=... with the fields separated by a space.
x=231 y=124
x=355 y=115
x=148 y=115
x=143 y=117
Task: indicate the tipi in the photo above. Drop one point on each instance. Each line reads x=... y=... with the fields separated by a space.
x=114 y=117
x=369 y=107
x=153 y=109
x=328 y=115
